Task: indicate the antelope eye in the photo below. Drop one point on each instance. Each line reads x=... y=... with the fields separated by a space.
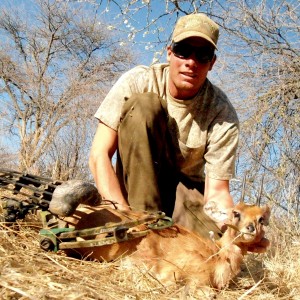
x=236 y=215
x=261 y=220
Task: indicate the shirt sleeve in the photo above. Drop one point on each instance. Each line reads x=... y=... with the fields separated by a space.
x=222 y=143
x=133 y=81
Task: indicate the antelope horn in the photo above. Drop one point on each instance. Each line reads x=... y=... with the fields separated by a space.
x=260 y=191
x=243 y=188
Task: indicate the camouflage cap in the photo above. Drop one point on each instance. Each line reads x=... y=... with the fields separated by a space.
x=198 y=25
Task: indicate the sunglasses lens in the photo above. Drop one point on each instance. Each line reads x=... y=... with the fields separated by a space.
x=203 y=54
x=182 y=50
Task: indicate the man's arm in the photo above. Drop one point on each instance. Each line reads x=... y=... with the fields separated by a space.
x=217 y=196
x=103 y=148
x=218 y=191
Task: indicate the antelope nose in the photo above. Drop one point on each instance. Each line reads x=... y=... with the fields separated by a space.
x=250 y=228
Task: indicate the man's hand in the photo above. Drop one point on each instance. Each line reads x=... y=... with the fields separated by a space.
x=122 y=207
x=220 y=216
x=218 y=201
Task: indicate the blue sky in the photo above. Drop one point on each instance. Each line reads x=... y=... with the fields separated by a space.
x=129 y=22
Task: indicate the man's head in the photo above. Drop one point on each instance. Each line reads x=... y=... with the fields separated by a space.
x=191 y=54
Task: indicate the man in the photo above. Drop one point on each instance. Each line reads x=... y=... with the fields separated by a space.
x=169 y=124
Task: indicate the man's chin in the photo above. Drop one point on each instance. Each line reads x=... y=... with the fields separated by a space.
x=188 y=90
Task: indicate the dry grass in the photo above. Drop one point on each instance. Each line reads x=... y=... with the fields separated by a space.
x=27 y=272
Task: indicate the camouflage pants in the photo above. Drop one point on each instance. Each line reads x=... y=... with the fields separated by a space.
x=146 y=169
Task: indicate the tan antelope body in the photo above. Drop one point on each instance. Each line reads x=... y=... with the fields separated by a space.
x=176 y=253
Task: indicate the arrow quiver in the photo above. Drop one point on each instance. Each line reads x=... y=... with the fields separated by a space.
x=36 y=192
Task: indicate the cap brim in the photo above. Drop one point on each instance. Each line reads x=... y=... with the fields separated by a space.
x=185 y=35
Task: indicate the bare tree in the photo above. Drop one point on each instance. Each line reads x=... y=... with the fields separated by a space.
x=265 y=70
x=54 y=68
x=67 y=157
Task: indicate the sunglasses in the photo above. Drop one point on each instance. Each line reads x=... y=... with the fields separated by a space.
x=184 y=51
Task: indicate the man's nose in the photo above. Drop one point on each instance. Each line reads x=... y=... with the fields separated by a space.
x=192 y=60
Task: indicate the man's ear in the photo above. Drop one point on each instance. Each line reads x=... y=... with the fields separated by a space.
x=169 y=52
x=212 y=62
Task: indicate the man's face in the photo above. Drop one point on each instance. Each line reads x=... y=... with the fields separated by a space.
x=188 y=74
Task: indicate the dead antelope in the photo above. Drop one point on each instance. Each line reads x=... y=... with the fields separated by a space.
x=176 y=253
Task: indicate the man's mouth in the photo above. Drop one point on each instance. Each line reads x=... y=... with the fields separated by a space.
x=190 y=75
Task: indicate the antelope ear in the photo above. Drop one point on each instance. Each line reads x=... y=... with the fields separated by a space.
x=266 y=214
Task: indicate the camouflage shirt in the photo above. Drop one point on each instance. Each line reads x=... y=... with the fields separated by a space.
x=204 y=129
